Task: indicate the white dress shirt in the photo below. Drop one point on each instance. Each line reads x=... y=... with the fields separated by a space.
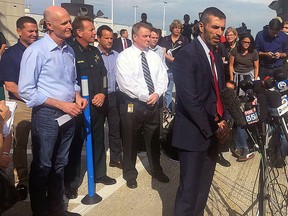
x=130 y=77
x=123 y=43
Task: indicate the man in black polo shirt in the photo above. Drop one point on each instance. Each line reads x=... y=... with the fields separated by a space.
x=10 y=67
x=88 y=63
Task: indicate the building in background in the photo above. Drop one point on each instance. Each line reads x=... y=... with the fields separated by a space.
x=10 y=11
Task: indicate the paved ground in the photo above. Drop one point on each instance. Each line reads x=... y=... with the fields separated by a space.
x=233 y=192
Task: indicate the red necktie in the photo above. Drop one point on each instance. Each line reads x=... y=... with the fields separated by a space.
x=125 y=43
x=219 y=103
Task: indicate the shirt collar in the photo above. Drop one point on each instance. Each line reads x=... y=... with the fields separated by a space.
x=52 y=45
x=154 y=49
x=112 y=52
x=138 y=51
x=204 y=45
x=21 y=46
x=82 y=48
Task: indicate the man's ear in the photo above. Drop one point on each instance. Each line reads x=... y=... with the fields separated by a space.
x=134 y=36
x=49 y=26
x=79 y=33
x=201 y=27
x=19 y=32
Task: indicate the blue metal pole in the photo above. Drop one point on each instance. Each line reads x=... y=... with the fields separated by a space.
x=92 y=197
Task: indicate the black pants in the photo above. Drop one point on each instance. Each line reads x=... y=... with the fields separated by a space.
x=73 y=169
x=145 y=118
x=269 y=71
x=115 y=141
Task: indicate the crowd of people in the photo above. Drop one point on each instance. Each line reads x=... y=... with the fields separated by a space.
x=129 y=84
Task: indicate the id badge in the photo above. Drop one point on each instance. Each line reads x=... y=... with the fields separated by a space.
x=130 y=108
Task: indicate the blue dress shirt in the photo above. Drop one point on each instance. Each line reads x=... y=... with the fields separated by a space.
x=110 y=65
x=47 y=71
x=266 y=43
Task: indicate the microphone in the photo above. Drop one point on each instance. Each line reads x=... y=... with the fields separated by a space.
x=232 y=104
x=262 y=108
x=269 y=82
x=281 y=80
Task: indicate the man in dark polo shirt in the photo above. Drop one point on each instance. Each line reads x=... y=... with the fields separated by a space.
x=10 y=67
x=89 y=63
x=272 y=45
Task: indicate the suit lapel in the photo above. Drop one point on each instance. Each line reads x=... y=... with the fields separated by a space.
x=207 y=63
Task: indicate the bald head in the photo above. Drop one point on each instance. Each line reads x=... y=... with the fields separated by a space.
x=53 y=12
x=58 y=23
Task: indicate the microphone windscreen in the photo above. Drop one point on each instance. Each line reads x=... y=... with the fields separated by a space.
x=232 y=104
x=279 y=75
x=258 y=86
x=269 y=82
x=273 y=98
x=262 y=107
x=245 y=85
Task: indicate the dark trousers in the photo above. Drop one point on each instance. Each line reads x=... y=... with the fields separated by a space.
x=196 y=175
x=99 y=153
x=144 y=118
x=72 y=174
x=50 y=150
x=269 y=71
x=115 y=142
x=73 y=168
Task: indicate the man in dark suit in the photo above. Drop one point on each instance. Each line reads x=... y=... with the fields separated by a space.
x=199 y=122
x=122 y=42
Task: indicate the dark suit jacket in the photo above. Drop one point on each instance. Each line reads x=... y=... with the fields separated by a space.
x=117 y=44
x=195 y=124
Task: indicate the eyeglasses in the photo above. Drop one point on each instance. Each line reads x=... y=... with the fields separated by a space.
x=246 y=42
x=230 y=35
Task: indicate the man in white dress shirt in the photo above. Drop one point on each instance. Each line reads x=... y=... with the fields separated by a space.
x=142 y=79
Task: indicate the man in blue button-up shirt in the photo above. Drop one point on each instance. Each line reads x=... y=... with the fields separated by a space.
x=47 y=83
x=105 y=39
x=272 y=45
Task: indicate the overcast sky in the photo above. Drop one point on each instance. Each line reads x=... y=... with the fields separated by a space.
x=254 y=13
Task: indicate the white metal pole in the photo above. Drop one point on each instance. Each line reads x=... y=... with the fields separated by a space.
x=112 y=14
x=135 y=13
x=53 y=2
x=164 y=14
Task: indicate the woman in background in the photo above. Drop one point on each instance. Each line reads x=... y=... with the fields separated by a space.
x=243 y=65
x=172 y=44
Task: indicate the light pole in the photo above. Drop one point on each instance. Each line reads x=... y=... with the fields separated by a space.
x=135 y=13
x=112 y=14
x=53 y=2
x=164 y=13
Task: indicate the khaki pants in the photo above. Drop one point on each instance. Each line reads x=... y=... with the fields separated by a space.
x=21 y=129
